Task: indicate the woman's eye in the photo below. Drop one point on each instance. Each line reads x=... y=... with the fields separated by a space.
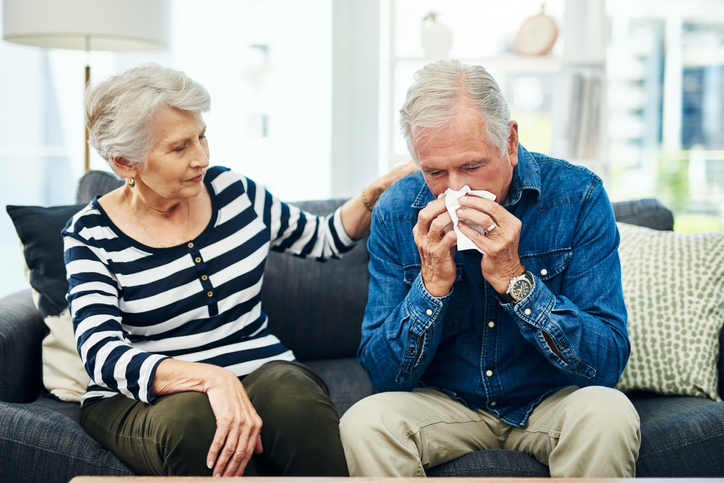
x=180 y=148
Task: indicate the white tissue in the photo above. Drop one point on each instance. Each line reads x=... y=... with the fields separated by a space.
x=452 y=204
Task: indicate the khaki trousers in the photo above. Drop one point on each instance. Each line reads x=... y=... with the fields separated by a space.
x=589 y=432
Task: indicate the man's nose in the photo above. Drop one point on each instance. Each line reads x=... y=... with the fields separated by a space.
x=456 y=182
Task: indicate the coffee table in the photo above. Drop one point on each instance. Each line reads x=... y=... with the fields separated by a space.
x=192 y=479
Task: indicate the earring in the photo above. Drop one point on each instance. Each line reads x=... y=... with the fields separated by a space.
x=131 y=182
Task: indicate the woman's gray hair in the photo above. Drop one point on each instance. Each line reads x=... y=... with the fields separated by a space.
x=120 y=110
x=440 y=90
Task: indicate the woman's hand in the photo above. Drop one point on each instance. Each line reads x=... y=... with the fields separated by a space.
x=356 y=213
x=238 y=426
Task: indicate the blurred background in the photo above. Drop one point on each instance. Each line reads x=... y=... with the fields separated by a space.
x=305 y=94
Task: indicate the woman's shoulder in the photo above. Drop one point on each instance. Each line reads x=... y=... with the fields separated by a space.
x=88 y=219
x=226 y=182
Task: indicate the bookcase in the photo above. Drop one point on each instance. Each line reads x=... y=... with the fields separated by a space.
x=558 y=99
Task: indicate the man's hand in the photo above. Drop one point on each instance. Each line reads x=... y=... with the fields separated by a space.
x=500 y=261
x=437 y=248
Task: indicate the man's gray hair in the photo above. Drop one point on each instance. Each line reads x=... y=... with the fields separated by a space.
x=440 y=90
x=120 y=110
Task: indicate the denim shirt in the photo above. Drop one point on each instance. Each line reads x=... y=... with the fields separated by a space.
x=489 y=355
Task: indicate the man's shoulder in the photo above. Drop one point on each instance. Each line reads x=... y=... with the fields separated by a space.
x=401 y=199
x=563 y=182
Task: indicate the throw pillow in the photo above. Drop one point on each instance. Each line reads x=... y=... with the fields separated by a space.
x=63 y=372
x=673 y=286
x=39 y=231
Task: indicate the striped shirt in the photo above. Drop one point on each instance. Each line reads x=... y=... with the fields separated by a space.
x=133 y=305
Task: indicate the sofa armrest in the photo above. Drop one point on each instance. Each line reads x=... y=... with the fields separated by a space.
x=21 y=334
x=649 y=213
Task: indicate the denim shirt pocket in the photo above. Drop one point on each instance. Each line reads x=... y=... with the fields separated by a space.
x=548 y=266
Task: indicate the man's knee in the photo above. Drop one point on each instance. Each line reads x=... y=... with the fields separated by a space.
x=605 y=405
x=370 y=417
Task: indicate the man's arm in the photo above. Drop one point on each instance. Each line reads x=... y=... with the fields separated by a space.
x=402 y=326
x=581 y=330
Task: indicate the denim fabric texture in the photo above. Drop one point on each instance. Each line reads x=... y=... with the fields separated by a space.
x=489 y=355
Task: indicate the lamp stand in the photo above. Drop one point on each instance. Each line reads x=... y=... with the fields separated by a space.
x=87 y=136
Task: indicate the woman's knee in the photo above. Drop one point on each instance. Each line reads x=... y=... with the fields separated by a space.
x=186 y=426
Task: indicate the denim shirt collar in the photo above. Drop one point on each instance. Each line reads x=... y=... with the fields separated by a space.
x=526 y=177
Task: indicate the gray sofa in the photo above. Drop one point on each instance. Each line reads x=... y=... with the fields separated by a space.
x=315 y=309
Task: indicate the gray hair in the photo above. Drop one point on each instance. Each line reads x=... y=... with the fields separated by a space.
x=441 y=89
x=120 y=110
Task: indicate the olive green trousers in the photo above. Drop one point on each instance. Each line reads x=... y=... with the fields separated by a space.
x=300 y=432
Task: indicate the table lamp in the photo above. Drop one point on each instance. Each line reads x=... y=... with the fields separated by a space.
x=109 y=25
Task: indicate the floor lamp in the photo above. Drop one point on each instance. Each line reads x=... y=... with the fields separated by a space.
x=108 y=25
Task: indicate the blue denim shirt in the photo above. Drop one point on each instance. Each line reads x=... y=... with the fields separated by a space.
x=489 y=355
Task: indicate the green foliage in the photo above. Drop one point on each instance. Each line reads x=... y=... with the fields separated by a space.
x=673 y=182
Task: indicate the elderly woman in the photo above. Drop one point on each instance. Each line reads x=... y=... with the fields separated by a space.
x=165 y=278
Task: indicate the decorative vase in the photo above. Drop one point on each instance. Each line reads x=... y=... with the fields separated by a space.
x=437 y=38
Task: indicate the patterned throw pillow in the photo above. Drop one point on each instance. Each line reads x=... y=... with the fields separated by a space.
x=673 y=286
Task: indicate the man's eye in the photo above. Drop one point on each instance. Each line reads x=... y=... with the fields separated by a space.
x=471 y=168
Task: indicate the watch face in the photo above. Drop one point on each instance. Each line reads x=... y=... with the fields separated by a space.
x=520 y=289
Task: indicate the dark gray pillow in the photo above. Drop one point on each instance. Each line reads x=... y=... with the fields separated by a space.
x=39 y=231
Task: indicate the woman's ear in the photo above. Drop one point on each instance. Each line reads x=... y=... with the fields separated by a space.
x=124 y=167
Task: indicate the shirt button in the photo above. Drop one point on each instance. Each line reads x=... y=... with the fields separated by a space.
x=204 y=278
x=527 y=311
x=197 y=259
x=544 y=272
x=210 y=293
x=190 y=245
x=491 y=324
x=488 y=373
x=428 y=312
x=493 y=404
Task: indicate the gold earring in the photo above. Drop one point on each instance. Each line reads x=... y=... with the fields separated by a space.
x=131 y=182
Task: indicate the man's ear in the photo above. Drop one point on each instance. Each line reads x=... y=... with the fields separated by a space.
x=512 y=137
x=124 y=167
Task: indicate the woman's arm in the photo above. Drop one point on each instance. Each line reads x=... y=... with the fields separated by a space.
x=238 y=426
x=356 y=214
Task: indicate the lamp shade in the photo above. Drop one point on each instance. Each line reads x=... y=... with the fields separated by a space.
x=113 y=25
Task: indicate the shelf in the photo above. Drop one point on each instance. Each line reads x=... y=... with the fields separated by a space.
x=513 y=63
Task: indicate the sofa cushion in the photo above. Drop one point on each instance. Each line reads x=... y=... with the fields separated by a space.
x=48 y=445
x=674 y=293
x=316 y=308
x=680 y=436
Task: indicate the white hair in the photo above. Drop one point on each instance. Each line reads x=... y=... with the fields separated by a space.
x=120 y=110
x=441 y=89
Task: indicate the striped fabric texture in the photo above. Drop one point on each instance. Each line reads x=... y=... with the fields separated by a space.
x=133 y=305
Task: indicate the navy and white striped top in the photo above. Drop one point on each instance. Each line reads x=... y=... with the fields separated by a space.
x=134 y=305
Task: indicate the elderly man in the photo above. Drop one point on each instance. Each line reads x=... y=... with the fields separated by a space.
x=495 y=316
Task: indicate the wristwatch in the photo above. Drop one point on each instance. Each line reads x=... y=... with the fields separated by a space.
x=518 y=288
